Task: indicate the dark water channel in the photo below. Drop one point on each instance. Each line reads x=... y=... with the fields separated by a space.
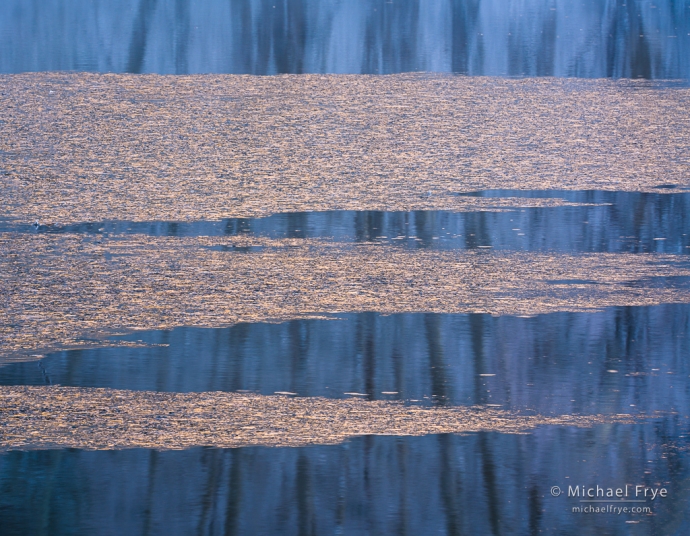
x=483 y=483
x=589 y=221
x=590 y=38
x=621 y=360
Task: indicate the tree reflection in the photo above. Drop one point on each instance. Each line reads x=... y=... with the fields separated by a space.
x=597 y=38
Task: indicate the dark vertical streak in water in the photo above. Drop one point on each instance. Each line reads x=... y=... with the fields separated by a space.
x=47 y=512
x=214 y=459
x=641 y=57
x=477 y=344
x=402 y=519
x=545 y=61
x=465 y=14
x=137 y=48
x=237 y=374
x=535 y=510
x=232 y=511
x=297 y=224
x=368 y=225
x=448 y=484
x=477 y=233
x=299 y=338
x=439 y=385
x=369 y=479
x=340 y=513
x=303 y=493
x=294 y=47
x=490 y=484
x=151 y=492
x=423 y=226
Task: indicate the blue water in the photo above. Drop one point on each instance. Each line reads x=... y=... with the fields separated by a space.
x=483 y=483
x=589 y=38
x=620 y=360
x=611 y=222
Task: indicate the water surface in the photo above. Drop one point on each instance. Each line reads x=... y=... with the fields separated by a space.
x=592 y=38
x=569 y=221
x=483 y=483
x=620 y=360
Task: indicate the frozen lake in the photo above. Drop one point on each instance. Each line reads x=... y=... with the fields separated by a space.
x=333 y=302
